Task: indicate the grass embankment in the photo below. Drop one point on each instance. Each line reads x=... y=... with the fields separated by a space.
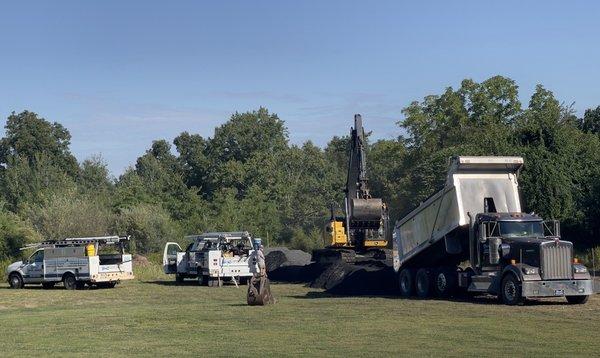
x=152 y=316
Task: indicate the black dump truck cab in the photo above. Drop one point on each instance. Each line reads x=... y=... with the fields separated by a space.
x=519 y=255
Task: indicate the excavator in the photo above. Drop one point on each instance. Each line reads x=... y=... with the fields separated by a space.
x=363 y=228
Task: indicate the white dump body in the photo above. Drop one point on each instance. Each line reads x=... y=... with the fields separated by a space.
x=470 y=180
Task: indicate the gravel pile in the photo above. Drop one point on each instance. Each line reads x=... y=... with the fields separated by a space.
x=277 y=257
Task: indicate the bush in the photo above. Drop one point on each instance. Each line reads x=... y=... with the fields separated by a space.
x=149 y=226
x=14 y=234
x=300 y=240
x=70 y=214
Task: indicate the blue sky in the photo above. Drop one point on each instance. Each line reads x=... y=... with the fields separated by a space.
x=121 y=74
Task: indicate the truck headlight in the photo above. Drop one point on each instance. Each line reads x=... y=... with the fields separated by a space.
x=528 y=270
x=580 y=269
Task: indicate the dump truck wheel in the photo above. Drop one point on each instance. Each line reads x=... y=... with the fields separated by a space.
x=48 y=285
x=577 y=300
x=406 y=283
x=16 y=281
x=423 y=283
x=445 y=282
x=511 y=290
x=69 y=281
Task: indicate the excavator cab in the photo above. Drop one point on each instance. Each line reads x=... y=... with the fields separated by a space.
x=335 y=231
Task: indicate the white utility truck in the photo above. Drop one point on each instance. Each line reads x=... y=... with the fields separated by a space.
x=473 y=235
x=75 y=262
x=212 y=258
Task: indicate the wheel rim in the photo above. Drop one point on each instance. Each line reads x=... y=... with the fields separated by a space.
x=14 y=281
x=70 y=281
x=510 y=290
x=404 y=283
x=441 y=282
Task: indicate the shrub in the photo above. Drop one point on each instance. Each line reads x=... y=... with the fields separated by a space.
x=149 y=226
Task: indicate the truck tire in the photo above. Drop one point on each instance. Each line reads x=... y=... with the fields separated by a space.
x=16 y=281
x=577 y=300
x=423 y=283
x=48 y=285
x=214 y=282
x=203 y=280
x=511 y=290
x=69 y=281
x=445 y=282
x=406 y=282
x=179 y=278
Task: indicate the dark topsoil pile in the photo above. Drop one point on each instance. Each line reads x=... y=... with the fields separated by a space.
x=368 y=277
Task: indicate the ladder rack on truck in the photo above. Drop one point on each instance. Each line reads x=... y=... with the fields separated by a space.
x=78 y=241
x=75 y=262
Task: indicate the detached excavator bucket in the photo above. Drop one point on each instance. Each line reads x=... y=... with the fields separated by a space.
x=259 y=291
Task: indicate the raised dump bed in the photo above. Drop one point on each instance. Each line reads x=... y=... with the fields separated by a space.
x=441 y=222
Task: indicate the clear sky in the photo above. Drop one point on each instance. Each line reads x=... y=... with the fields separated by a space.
x=119 y=74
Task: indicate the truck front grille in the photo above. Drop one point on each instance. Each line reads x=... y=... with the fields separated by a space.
x=556 y=260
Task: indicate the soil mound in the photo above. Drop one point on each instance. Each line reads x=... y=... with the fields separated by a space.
x=361 y=278
x=358 y=279
x=140 y=261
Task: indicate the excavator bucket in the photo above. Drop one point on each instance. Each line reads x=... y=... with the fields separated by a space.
x=259 y=291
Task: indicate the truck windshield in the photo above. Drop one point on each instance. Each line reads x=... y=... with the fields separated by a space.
x=521 y=229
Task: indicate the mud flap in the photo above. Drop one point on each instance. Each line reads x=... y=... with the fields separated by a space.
x=259 y=291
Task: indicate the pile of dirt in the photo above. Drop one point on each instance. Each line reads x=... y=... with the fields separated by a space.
x=362 y=278
x=297 y=274
x=358 y=279
x=140 y=261
x=277 y=257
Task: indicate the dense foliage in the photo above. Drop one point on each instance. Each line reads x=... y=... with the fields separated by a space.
x=247 y=176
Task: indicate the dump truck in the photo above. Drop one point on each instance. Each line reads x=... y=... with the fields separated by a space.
x=363 y=228
x=212 y=258
x=472 y=235
x=75 y=262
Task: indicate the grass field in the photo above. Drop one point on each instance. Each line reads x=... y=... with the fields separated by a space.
x=153 y=317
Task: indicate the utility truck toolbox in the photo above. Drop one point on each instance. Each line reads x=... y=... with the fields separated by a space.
x=75 y=262
x=477 y=219
x=212 y=258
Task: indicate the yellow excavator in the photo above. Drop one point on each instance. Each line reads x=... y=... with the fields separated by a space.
x=363 y=228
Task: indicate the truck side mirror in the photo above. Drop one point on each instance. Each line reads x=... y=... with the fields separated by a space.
x=495 y=244
x=482 y=233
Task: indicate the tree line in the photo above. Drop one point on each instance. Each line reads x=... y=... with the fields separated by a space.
x=248 y=176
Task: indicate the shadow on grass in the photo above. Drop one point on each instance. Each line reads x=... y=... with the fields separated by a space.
x=172 y=283
x=467 y=299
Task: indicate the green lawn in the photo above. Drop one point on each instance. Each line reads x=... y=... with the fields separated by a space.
x=152 y=317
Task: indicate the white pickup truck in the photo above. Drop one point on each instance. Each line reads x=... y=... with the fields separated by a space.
x=212 y=258
x=75 y=262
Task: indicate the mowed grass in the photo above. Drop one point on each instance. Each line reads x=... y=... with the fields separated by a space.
x=152 y=316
